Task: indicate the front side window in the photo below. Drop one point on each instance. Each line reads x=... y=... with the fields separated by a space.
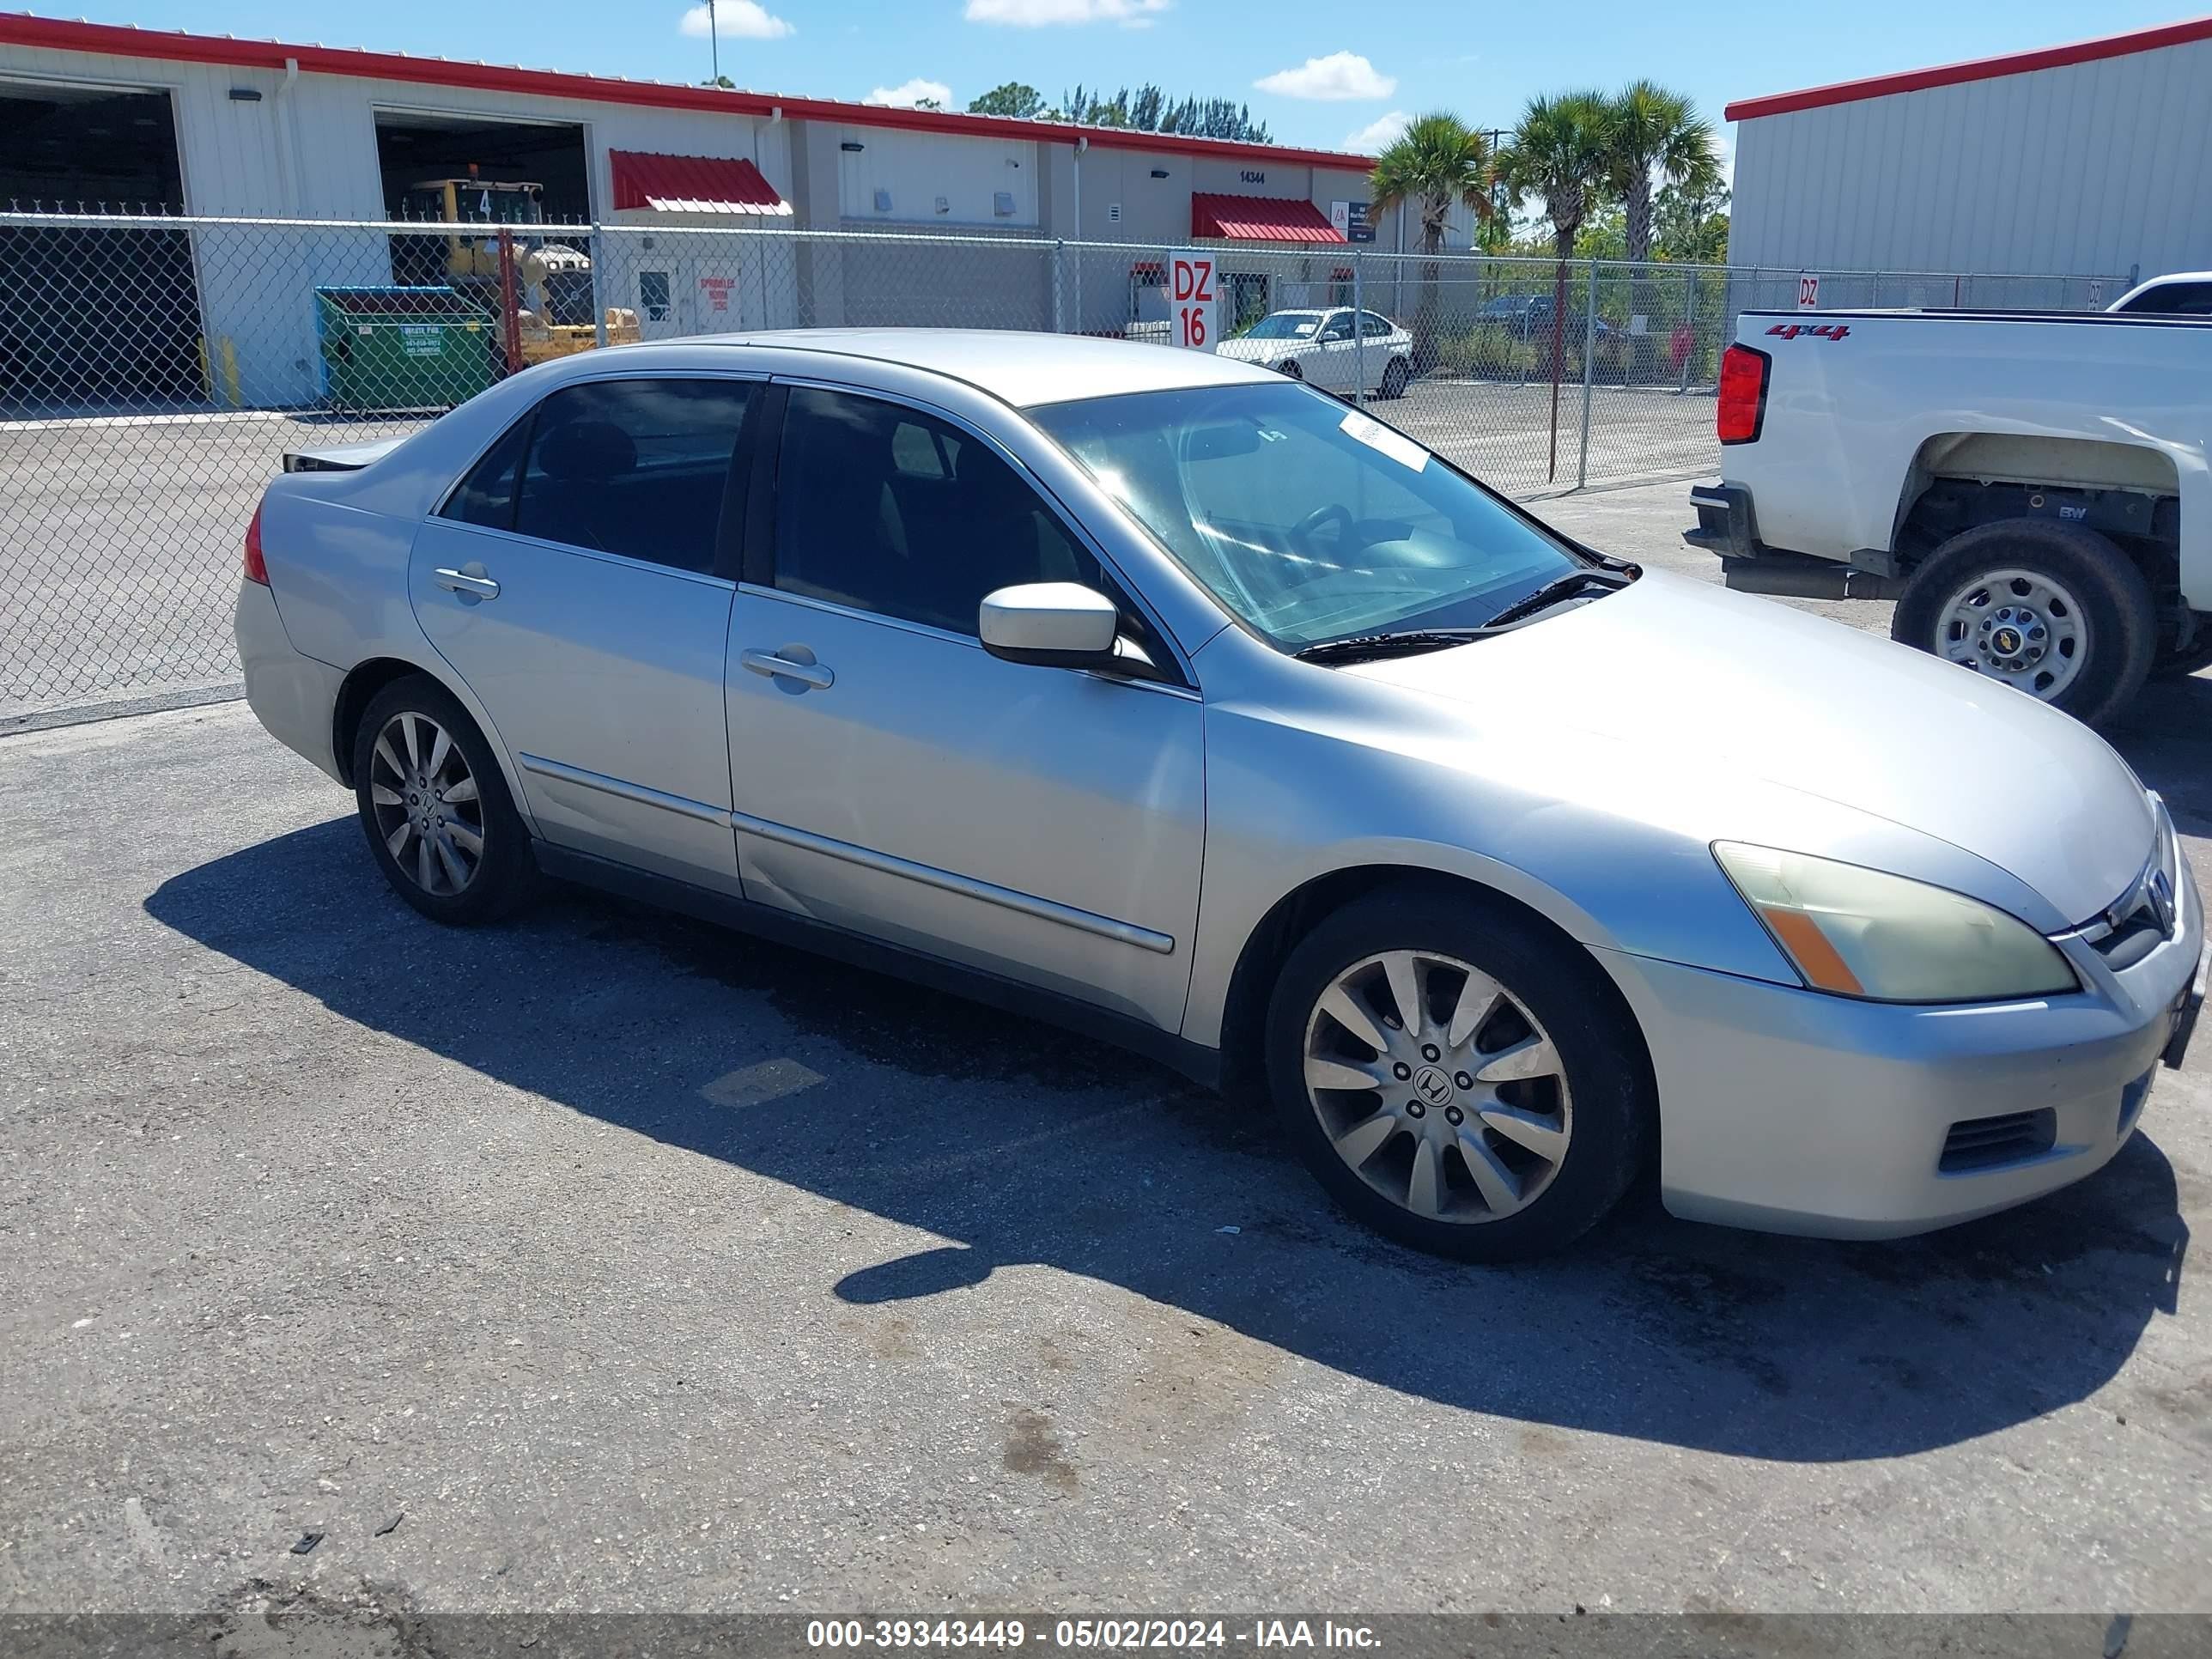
x=634 y=467
x=1307 y=520
x=1339 y=328
x=888 y=510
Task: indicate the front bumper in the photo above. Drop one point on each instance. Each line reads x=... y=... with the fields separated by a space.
x=1787 y=1111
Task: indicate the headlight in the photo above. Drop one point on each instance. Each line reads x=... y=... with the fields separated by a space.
x=1858 y=933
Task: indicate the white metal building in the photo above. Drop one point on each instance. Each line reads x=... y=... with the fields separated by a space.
x=111 y=117
x=2093 y=158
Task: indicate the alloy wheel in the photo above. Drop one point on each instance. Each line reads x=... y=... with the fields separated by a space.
x=1436 y=1086
x=2018 y=626
x=428 y=809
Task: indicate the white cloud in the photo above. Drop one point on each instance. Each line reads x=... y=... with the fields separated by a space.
x=1378 y=134
x=740 y=20
x=1339 y=75
x=907 y=94
x=1042 y=14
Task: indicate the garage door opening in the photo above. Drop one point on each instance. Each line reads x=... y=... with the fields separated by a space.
x=90 y=317
x=531 y=176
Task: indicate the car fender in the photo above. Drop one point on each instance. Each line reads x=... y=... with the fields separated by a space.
x=1453 y=805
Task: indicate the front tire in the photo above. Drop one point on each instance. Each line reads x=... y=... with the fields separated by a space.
x=1290 y=369
x=2053 y=610
x=1455 y=1077
x=1393 y=378
x=435 y=808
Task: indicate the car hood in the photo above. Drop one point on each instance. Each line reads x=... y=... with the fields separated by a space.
x=1259 y=351
x=1702 y=681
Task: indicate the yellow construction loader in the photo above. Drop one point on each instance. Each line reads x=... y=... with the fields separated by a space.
x=551 y=280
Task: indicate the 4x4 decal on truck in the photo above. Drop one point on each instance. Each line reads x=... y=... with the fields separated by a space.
x=1824 y=330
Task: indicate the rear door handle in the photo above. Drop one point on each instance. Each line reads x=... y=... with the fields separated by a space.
x=776 y=667
x=470 y=584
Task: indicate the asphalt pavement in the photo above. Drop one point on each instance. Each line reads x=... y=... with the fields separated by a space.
x=604 y=1260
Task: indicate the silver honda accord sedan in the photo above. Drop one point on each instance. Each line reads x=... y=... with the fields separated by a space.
x=1154 y=693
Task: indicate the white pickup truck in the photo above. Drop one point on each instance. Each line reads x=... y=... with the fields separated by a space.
x=2031 y=487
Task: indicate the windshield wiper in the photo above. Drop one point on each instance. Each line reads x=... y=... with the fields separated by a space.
x=1404 y=642
x=1362 y=647
x=1562 y=588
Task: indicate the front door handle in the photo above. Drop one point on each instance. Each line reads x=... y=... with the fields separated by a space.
x=778 y=666
x=470 y=583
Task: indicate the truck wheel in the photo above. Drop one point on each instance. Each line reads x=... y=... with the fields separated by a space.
x=2052 y=610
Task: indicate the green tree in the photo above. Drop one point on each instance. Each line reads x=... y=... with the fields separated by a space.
x=1013 y=98
x=1436 y=162
x=1604 y=234
x=1149 y=109
x=1691 y=223
x=1559 y=151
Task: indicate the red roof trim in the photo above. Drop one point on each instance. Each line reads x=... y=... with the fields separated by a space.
x=1260 y=219
x=1980 y=69
x=116 y=40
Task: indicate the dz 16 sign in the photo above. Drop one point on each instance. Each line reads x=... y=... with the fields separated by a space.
x=1193 y=294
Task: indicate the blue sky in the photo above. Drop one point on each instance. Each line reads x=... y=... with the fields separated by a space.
x=1332 y=71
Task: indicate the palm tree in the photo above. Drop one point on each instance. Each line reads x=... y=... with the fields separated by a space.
x=1437 y=161
x=1560 y=152
x=1651 y=129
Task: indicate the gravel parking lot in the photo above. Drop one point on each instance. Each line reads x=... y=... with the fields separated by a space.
x=123 y=535
x=607 y=1261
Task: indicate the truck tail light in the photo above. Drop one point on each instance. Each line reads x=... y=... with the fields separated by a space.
x=1742 y=408
x=256 y=568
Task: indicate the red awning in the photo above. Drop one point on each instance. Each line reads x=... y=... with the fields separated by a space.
x=1260 y=219
x=692 y=183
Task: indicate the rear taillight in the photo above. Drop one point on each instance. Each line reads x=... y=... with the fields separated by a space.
x=257 y=569
x=1742 y=408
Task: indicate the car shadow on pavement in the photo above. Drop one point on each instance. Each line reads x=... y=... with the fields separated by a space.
x=1023 y=1145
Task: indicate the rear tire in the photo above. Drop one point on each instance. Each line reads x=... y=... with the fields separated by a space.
x=1291 y=370
x=2077 y=608
x=1395 y=376
x=436 y=809
x=1511 y=1140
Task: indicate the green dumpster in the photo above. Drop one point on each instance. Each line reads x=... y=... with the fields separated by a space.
x=390 y=349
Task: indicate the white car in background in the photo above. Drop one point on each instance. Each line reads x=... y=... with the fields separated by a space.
x=1335 y=349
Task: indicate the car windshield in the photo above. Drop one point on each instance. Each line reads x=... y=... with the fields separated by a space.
x=1283 y=325
x=1305 y=518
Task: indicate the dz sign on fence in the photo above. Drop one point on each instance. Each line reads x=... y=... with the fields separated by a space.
x=1194 y=289
x=1808 y=292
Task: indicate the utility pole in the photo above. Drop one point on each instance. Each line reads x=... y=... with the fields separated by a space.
x=714 y=42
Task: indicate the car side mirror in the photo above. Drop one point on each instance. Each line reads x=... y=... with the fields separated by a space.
x=1049 y=625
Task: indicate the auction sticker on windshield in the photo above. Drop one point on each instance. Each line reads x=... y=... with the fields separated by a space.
x=1384 y=441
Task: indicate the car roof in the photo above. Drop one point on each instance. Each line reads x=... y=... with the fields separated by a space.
x=1019 y=368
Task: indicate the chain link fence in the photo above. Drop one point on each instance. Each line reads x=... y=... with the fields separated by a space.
x=153 y=372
